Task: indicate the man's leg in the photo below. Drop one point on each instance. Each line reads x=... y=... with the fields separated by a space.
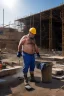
x=32 y=66
x=25 y=67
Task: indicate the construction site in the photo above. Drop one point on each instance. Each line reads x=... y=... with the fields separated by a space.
x=50 y=41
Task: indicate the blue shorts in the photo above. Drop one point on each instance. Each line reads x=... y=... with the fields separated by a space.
x=29 y=62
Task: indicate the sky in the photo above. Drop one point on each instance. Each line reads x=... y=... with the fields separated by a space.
x=15 y=9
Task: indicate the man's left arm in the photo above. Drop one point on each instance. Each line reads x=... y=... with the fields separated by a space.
x=37 y=50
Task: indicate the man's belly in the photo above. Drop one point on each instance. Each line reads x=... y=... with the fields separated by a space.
x=29 y=48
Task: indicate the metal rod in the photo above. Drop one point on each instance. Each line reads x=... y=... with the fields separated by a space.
x=3 y=18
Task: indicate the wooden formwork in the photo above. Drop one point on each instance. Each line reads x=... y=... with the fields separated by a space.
x=50 y=28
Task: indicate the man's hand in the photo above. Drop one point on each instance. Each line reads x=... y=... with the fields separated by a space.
x=38 y=55
x=19 y=54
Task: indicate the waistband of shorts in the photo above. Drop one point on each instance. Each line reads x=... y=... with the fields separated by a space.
x=27 y=53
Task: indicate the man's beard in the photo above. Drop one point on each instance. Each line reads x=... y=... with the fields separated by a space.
x=32 y=38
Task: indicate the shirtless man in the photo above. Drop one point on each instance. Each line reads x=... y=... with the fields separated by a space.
x=29 y=47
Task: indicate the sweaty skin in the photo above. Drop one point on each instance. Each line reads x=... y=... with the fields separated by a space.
x=27 y=45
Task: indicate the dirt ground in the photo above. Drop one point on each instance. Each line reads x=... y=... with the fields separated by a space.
x=15 y=87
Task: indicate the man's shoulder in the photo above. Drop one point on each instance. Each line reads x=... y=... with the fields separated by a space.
x=25 y=36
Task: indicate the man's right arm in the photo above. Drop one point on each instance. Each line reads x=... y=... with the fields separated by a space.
x=21 y=42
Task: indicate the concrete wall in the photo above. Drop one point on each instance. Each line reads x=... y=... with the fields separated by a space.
x=10 y=34
x=9 y=38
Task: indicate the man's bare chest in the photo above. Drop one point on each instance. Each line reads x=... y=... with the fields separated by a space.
x=29 y=41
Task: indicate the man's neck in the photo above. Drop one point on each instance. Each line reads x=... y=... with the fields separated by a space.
x=28 y=35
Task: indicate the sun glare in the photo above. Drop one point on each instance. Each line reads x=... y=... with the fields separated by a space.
x=9 y=3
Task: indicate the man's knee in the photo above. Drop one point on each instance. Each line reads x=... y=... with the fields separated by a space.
x=32 y=67
x=25 y=68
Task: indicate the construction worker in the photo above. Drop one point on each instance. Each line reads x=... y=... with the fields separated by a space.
x=29 y=47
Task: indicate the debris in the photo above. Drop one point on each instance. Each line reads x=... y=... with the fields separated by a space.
x=28 y=87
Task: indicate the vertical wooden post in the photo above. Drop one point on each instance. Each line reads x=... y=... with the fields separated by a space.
x=30 y=21
x=40 y=31
x=33 y=20
x=50 y=31
x=63 y=30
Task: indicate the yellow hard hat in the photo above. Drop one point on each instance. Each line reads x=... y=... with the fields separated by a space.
x=32 y=30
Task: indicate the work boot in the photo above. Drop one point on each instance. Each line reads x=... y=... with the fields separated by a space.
x=25 y=79
x=32 y=78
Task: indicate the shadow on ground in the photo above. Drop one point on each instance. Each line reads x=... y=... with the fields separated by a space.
x=55 y=84
x=5 y=87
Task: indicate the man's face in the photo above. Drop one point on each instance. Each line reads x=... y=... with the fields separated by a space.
x=31 y=35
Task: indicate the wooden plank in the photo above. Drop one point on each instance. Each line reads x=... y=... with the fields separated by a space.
x=57 y=71
x=58 y=77
x=9 y=71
